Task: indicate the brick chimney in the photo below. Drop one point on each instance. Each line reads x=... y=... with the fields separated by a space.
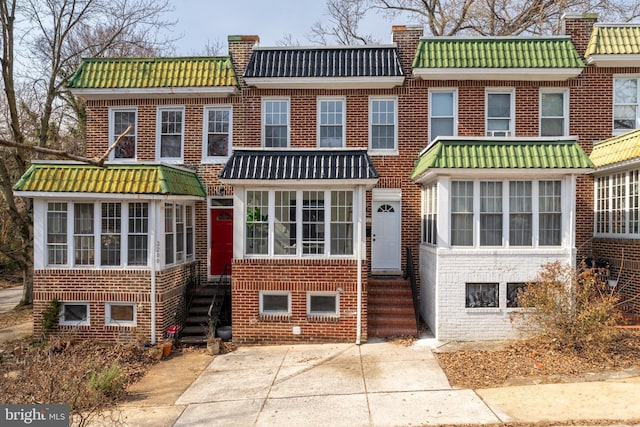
x=579 y=27
x=406 y=38
x=240 y=49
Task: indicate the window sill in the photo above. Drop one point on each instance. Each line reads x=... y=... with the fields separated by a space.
x=274 y=317
x=383 y=152
x=482 y=310
x=323 y=318
x=215 y=160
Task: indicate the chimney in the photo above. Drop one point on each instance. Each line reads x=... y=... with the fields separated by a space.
x=240 y=49
x=406 y=38
x=579 y=27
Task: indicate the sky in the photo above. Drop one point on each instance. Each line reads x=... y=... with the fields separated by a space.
x=199 y=21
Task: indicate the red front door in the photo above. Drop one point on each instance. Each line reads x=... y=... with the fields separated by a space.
x=221 y=242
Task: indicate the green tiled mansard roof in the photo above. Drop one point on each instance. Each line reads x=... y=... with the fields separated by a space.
x=497 y=52
x=470 y=153
x=113 y=179
x=610 y=39
x=145 y=73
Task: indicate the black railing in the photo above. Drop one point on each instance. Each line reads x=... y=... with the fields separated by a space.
x=182 y=310
x=411 y=275
x=213 y=317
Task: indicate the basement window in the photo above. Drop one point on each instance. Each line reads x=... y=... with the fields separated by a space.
x=74 y=314
x=275 y=303
x=481 y=295
x=120 y=314
x=322 y=304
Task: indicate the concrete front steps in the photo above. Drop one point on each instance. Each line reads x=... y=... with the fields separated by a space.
x=390 y=307
x=195 y=325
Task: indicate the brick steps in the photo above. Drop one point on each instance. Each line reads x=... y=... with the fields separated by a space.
x=390 y=308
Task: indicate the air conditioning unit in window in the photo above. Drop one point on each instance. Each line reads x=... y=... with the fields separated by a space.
x=498 y=133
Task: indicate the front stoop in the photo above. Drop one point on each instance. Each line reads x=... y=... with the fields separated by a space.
x=390 y=308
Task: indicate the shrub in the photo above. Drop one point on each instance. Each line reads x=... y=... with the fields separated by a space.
x=573 y=308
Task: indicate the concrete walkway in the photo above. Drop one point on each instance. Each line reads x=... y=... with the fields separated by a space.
x=9 y=298
x=375 y=384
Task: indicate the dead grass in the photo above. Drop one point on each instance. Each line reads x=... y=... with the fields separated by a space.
x=539 y=361
x=16 y=316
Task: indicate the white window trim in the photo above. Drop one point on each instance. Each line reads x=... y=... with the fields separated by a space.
x=174 y=234
x=113 y=136
x=205 y=131
x=343 y=102
x=263 y=120
x=535 y=212
x=613 y=104
x=310 y=313
x=455 y=108
x=85 y=322
x=565 y=108
x=262 y=312
x=158 y=133
x=110 y=322
x=512 y=109
x=377 y=151
x=299 y=237
x=97 y=232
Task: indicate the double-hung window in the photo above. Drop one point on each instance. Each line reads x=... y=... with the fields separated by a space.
x=331 y=123
x=217 y=133
x=520 y=213
x=491 y=213
x=170 y=134
x=119 y=121
x=178 y=238
x=275 y=123
x=430 y=215
x=500 y=110
x=442 y=113
x=462 y=213
x=303 y=223
x=626 y=114
x=383 y=124
x=554 y=112
x=105 y=234
x=550 y=208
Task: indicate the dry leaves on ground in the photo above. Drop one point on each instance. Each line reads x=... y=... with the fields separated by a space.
x=16 y=316
x=536 y=361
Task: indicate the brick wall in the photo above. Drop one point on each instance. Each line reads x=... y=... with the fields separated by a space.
x=623 y=256
x=299 y=277
x=98 y=287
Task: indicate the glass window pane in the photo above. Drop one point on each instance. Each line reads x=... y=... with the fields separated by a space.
x=278 y=303
x=553 y=104
x=499 y=105
x=480 y=295
x=625 y=91
x=442 y=104
x=323 y=304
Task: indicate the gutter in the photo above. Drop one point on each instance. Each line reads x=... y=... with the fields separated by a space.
x=359 y=267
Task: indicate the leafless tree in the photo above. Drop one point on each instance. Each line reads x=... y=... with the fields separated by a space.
x=344 y=18
x=50 y=37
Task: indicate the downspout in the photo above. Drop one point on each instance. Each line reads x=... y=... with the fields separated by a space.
x=154 y=259
x=359 y=267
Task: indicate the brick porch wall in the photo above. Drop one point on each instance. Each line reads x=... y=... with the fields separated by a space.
x=97 y=287
x=250 y=276
x=623 y=256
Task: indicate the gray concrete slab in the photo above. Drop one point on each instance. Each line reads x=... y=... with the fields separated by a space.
x=318 y=380
x=325 y=354
x=240 y=384
x=333 y=410
x=404 y=375
x=429 y=407
x=9 y=298
x=223 y=414
x=250 y=358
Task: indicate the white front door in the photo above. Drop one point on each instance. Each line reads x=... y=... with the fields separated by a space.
x=385 y=236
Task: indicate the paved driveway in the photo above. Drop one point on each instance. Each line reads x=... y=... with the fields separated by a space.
x=380 y=383
x=9 y=298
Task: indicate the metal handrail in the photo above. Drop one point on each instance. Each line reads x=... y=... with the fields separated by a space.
x=215 y=293
x=411 y=274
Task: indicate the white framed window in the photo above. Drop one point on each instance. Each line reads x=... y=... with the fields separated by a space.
x=331 y=122
x=554 y=112
x=275 y=122
x=99 y=234
x=299 y=223
x=462 y=213
x=482 y=295
x=57 y=235
x=178 y=243
x=217 y=133
x=443 y=112
x=506 y=213
x=626 y=114
x=520 y=213
x=275 y=303
x=120 y=118
x=430 y=214
x=170 y=134
x=120 y=314
x=74 y=314
x=383 y=125
x=491 y=213
x=323 y=304
x=617 y=204
x=500 y=112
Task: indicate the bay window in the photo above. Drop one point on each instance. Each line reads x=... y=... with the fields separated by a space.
x=177 y=240
x=491 y=213
x=520 y=213
x=462 y=213
x=302 y=223
x=617 y=204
